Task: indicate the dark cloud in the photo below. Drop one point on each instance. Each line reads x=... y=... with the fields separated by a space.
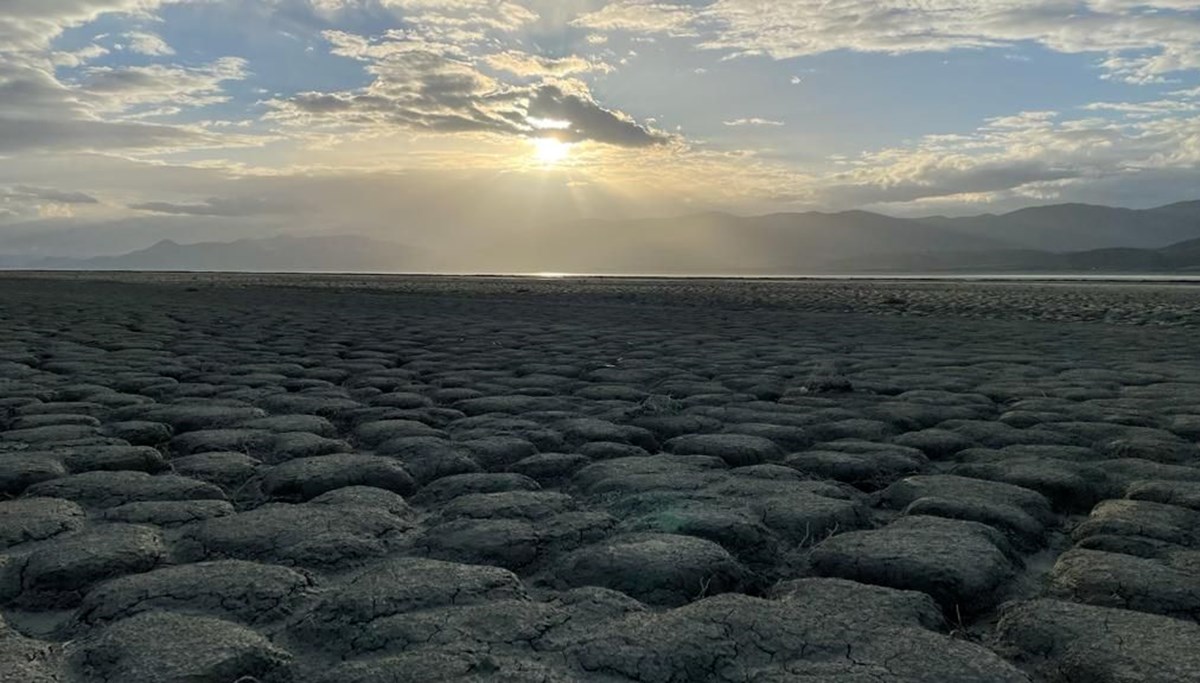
x=447 y=109
x=30 y=92
x=49 y=194
x=22 y=134
x=105 y=80
x=590 y=121
x=214 y=206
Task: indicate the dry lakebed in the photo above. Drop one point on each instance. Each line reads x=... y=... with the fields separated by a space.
x=375 y=479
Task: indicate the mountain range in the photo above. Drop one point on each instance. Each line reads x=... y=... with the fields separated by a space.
x=1059 y=238
x=334 y=253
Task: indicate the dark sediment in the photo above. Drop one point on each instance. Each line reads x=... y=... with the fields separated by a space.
x=324 y=478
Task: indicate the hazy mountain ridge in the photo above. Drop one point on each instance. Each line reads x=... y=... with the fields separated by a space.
x=1098 y=239
x=726 y=244
x=1183 y=257
x=1083 y=227
x=283 y=253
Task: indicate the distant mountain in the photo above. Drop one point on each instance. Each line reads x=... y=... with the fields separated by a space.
x=798 y=243
x=1181 y=258
x=721 y=243
x=1184 y=252
x=343 y=253
x=1082 y=227
x=1184 y=210
x=1064 y=237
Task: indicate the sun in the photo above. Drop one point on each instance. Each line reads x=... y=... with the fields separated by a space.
x=550 y=152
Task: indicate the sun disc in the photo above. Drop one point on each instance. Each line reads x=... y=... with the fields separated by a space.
x=549 y=151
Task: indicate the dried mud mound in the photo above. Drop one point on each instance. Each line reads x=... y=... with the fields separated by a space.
x=246 y=478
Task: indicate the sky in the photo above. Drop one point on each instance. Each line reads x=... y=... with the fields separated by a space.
x=123 y=122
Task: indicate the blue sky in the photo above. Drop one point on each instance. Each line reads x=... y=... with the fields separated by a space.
x=126 y=120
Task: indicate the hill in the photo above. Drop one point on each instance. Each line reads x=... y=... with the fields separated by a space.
x=1082 y=227
x=341 y=253
x=1064 y=237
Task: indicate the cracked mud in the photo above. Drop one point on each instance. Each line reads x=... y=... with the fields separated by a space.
x=291 y=479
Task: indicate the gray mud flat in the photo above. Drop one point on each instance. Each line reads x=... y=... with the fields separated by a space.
x=318 y=479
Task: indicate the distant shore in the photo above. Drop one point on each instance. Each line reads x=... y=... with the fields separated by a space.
x=155 y=275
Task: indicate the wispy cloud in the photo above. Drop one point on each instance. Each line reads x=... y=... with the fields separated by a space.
x=753 y=121
x=1138 y=41
x=122 y=89
x=524 y=64
x=214 y=206
x=144 y=43
x=639 y=16
x=48 y=194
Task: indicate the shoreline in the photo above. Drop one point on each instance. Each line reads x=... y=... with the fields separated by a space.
x=1033 y=278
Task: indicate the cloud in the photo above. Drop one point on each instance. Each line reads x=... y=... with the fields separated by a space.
x=1141 y=41
x=24 y=201
x=30 y=25
x=49 y=194
x=1145 y=109
x=34 y=92
x=1030 y=156
x=641 y=17
x=34 y=134
x=124 y=88
x=754 y=121
x=427 y=86
x=462 y=22
x=416 y=88
x=214 y=206
x=38 y=111
x=42 y=110
x=589 y=121
x=524 y=64
x=921 y=177
x=147 y=44
x=77 y=58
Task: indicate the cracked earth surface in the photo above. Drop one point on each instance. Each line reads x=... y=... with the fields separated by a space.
x=304 y=479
